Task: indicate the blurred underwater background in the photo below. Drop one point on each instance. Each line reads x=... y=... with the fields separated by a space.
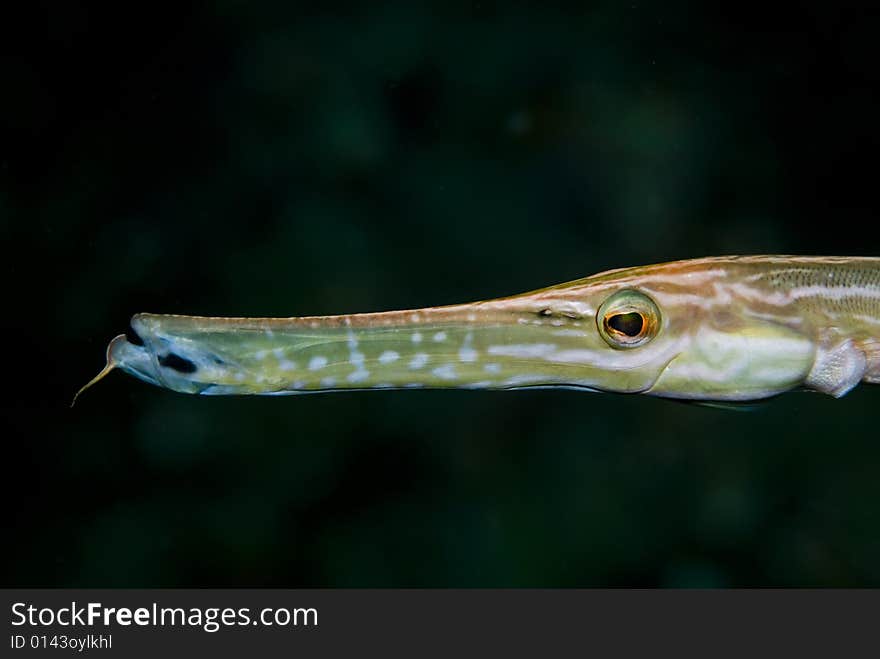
x=277 y=158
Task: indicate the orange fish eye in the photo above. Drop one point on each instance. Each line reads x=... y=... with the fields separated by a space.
x=628 y=319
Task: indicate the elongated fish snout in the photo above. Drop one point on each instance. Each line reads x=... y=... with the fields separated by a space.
x=718 y=329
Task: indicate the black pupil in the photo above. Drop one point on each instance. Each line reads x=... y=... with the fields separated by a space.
x=630 y=323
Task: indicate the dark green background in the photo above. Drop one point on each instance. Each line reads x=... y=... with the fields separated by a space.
x=243 y=158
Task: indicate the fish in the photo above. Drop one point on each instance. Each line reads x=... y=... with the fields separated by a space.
x=726 y=329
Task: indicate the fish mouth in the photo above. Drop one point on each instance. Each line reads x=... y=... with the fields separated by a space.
x=156 y=359
x=132 y=336
x=134 y=359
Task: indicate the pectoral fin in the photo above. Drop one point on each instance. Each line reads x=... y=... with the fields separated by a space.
x=837 y=369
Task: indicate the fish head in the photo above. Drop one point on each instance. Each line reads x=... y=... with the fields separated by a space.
x=680 y=334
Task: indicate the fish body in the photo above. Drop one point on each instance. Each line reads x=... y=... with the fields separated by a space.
x=735 y=328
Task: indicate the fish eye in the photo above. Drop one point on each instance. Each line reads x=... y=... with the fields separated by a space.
x=628 y=319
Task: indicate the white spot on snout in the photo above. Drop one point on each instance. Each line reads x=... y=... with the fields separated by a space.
x=286 y=365
x=388 y=356
x=359 y=375
x=569 y=332
x=523 y=350
x=439 y=337
x=418 y=361
x=445 y=372
x=467 y=353
x=492 y=368
x=518 y=380
x=417 y=337
x=317 y=363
